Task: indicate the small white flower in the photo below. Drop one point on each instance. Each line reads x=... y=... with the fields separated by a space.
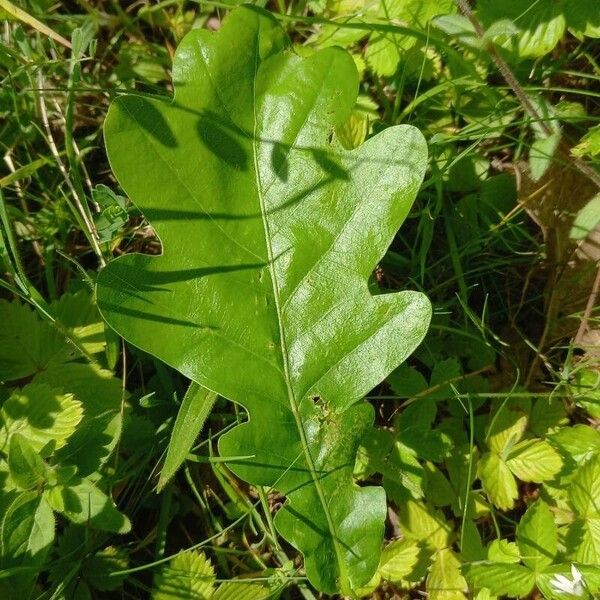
x=561 y=584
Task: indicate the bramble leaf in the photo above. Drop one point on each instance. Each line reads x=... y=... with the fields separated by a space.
x=498 y=481
x=239 y=590
x=585 y=536
x=534 y=460
x=26 y=468
x=506 y=428
x=537 y=537
x=540 y=24
x=578 y=442
x=26 y=535
x=41 y=414
x=398 y=559
x=100 y=569
x=29 y=345
x=424 y=524
x=270 y=230
x=188 y=576
x=385 y=49
x=502 y=579
x=504 y=551
x=83 y=503
x=445 y=581
x=584 y=491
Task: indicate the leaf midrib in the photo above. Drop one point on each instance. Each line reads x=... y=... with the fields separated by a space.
x=282 y=340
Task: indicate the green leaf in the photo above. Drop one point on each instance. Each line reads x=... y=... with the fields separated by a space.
x=541 y=24
x=591 y=575
x=424 y=524
x=498 y=482
x=542 y=153
x=26 y=535
x=459 y=27
x=534 y=460
x=189 y=576
x=589 y=145
x=354 y=132
x=193 y=412
x=27 y=344
x=504 y=551
x=547 y=415
x=587 y=219
x=578 y=442
x=113 y=215
x=404 y=475
x=438 y=489
x=407 y=382
x=40 y=414
x=398 y=560
x=537 y=537
x=239 y=590
x=445 y=581
x=99 y=570
x=79 y=314
x=92 y=443
x=84 y=504
x=502 y=579
x=26 y=468
x=386 y=49
x=462 y=473
x=98 y=389
x=256 y=211
x=420 y=413
x=584 y=537
x=471 y=546
x=584 y=490
x=583 y=18
x=506 y=427
x=427 y=444
x=372 y=453
x=101 y=395
x=545 y=144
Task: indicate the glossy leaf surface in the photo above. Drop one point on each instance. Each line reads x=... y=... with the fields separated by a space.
x=270 y=231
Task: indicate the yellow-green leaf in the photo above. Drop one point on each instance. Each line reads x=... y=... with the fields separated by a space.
x=398 y=559
x=445 y=580
x=40 y=414
x=498 y=482
x=534 y=460
x=424 y=524
x=584 y=490
x=537 y=537
x=188 y=576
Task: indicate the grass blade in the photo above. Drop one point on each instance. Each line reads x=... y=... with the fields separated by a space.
x=195 y=408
